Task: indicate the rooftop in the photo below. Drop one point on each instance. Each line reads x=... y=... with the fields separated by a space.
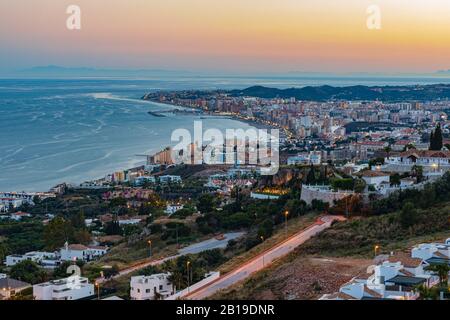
x=407 y=281
x=13 y=284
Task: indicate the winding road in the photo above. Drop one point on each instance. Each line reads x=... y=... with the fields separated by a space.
x=264 y=259
x=192 y=249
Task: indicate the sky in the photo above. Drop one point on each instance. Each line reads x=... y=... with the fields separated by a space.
x=232 y=35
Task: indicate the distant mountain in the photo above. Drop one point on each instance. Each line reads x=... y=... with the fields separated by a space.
x=59 y=71
x=323 y=93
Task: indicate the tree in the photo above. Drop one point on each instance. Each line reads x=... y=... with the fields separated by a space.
x=395 y=179
x=3 y=252
x=408 y=215
x=296 y=207
x=438 y=137
x=360 y=185
x=78 y=221
x=111 y=272
x=343 y=184
x=176 y=279
x=427 y=293
x=57 y=232
x=319 y=205
x=265 y=229
x=82 y=236
x=28 y=271
x=311 y=177
x=417 y=172
x=206 y=203
x=113 y=228
x=432 y=141
x=436 y=140
x=441 y=270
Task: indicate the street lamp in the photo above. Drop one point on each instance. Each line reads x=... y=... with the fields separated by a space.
x=376 y=248
x=188 y=263
x=262 y=240
x=150 y=245
x=286 y=214
x=98 y=290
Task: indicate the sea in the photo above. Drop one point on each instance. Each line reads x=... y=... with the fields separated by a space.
x=73 y=130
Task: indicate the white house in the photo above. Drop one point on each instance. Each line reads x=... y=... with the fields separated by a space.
x=313 y=157
x=169 y=179
x=7 y=203
x=395 y=278
x=426 y=251
x=139 y=181
x=263 y=196
x=130 y=221
x=375 y=178
x=81 y=252
x=406 y=182
x=172 y=208
x=45 y=259
x=71 y=288
x=428 y=159
x=149 y=287
x=17 y=216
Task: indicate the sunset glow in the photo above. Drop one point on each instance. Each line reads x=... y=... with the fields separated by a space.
x=250 y=35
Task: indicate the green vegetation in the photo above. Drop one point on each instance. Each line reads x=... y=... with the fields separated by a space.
x=436 y=141
x=198 y=265
x=20 y=236
x=28 y=271
x=390 y=231
x=59 y=230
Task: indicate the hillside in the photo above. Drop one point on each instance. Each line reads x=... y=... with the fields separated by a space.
x=340 y=253
x=322 y=93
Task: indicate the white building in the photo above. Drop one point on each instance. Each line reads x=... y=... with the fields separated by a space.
x=375 y=178
x=313 y=157
x=263 y=196
x=172 y=208
x=139 y=181
x=170 y=179
x=130 y=221
x=71 y=288
x=430 y=161
x=81 y=252
x=45 y=259
x=151 y=287
x=7 y=203
x=397 y=277
x=427 y=251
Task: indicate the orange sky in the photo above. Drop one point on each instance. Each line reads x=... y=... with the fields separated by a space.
x=237 y=35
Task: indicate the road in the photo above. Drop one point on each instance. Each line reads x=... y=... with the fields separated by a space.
x=192 y=249
x=263 y=260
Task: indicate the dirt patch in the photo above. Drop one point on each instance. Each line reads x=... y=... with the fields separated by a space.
x=302 y=278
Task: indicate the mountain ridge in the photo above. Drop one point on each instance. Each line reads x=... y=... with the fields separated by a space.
x=356 y=92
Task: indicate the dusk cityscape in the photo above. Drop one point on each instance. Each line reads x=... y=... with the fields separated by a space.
x=224 y=158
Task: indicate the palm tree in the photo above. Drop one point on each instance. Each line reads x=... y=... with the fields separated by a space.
x=427 y=293
x=176 y=279
x=441 y=270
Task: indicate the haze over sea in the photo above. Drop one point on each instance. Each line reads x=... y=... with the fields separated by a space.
x=54 y=131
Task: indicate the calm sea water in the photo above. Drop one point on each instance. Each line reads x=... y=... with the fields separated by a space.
x=54 y=131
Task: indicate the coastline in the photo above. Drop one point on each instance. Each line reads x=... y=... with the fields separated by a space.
x=250 y=121
x=29 y=188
